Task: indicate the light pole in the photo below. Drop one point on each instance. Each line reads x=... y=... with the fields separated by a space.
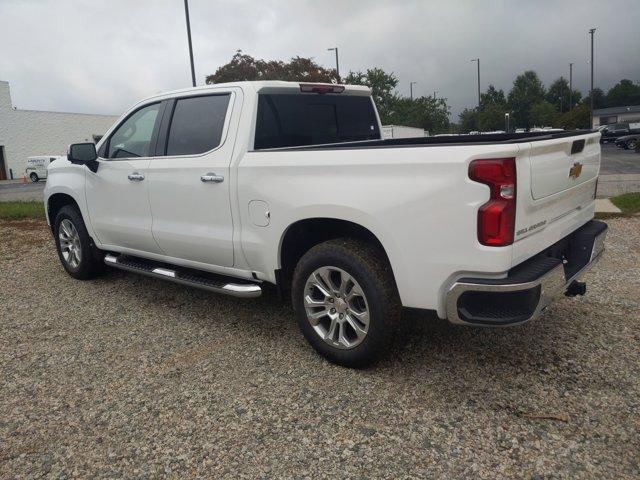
x=591 y=32
x=478 y=61
x=434 y=94
x=337 y=63
x=561 y=94
x=570 y=86
x=506 y=122
x=411 y=89
x=193 y=71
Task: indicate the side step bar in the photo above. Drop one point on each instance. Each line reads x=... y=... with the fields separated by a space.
x=188 y=277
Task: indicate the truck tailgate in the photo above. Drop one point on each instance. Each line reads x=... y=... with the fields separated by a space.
x=556 y=191
x=560 y=164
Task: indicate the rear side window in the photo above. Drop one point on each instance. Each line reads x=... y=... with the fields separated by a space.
x=299 y=120
x=197 y=124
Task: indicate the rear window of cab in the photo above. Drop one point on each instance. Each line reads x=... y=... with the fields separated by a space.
x=293 y=120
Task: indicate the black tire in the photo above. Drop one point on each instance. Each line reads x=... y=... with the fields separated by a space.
x=91 y=262
x=368 y=266
x=34 y=177
x=631 y=145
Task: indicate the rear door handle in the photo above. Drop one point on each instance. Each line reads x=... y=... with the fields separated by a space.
x=212 y=177
x=135 y=177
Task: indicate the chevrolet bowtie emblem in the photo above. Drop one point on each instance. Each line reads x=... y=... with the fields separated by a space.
x=575 y=171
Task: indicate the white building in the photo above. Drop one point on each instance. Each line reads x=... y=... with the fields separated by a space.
x=27 y=133
x=607 y=116
x=400 y=131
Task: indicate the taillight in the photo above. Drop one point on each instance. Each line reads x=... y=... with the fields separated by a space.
x=497 y=217
x=320 y=88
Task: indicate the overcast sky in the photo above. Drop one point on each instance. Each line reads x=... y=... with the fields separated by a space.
x=101 y=56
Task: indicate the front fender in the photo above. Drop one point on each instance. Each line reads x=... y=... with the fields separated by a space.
x=68 y=180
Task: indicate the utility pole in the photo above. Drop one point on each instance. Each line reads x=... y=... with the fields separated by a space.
x=506 y=122
x=434 y=94
x=591 y=32
x=570 y=86
x=411 y=90
x=561 y=94
x=337 y=63
x=193 y=71
x=477 y=60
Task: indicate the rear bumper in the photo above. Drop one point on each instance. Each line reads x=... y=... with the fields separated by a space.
x=530 y=287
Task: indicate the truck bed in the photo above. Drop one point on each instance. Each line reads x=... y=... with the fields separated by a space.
x=449 y=140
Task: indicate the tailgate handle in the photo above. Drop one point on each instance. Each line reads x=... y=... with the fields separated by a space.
x=577 y=146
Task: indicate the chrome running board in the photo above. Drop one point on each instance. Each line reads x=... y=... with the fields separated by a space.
x=188 y=277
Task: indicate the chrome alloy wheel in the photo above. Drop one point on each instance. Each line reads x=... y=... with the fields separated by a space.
x=69 y=243
x=336 y=307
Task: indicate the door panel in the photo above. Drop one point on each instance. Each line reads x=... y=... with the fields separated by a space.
x=119 y=207
x=3 y=167
x=190 y=193
x=192 y=218
x=118 y=193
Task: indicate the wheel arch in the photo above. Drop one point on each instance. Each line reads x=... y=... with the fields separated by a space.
x=55 y=202
x=305 y=233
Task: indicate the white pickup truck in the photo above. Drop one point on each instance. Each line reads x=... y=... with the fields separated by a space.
x=231 y=187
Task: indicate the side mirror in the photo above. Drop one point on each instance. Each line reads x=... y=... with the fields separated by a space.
x=84 y=154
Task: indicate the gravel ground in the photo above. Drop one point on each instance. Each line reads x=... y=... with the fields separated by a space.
x=126 y=376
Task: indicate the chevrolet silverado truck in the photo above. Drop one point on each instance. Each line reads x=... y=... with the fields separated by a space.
x=233 y=187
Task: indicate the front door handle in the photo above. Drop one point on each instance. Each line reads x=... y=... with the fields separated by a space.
x=212 y=177
x=135 y=177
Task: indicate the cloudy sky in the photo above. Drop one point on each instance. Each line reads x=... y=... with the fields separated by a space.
x=100 y=56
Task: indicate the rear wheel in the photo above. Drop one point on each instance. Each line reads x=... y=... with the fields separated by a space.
x=346 y=301
x=34 y=177
x=631 y=144
x=79 y=257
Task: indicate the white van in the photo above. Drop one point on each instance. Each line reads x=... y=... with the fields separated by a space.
x=37 y=167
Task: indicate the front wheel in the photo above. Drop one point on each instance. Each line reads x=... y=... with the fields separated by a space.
x=346 y=301
x=76 y=251
x=34 y=177
x=631 y=144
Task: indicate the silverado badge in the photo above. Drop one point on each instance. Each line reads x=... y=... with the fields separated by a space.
x=576 y=170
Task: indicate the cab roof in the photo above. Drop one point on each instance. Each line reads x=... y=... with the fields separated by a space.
x=271 y=86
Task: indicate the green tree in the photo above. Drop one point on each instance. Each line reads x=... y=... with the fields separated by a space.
x=578 y=117
x=558 y=95
x=599 y=99
x=468 y=120
x=542 y=114
x=527 y=90
x=245 y=67
x=492 y=97
x=382 y=85
x=491 y=118
x=429 y=113
x=624 y=93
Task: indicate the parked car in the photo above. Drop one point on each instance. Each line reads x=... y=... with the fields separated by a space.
x=37 y=167
x=230 y=187
x=628 y=142
x=610 y=133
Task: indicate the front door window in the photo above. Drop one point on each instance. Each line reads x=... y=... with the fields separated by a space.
x=132 y=139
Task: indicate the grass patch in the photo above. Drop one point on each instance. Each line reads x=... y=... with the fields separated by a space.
x=629 y=203
x=21 y=210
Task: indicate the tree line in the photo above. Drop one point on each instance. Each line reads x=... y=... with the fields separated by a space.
x=528 y=103
x=429 y=113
